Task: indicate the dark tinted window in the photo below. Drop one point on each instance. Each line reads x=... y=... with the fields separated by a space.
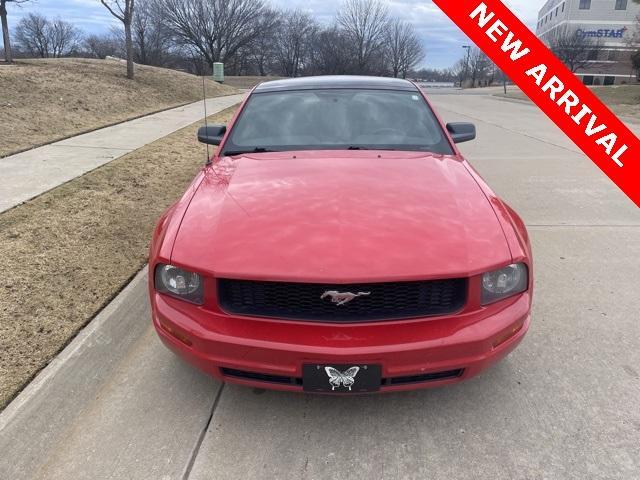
x=337 y=119
x=585 y=4
x=621 y=4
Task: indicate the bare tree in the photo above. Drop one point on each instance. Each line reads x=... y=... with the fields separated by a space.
x=460 y=71
x=293 y=41
x=64 y=38
x=6 y=37
x=32 y=34
x=151 y=37
x=263 y=47
x=480 y=67
x=413 y=54
x=331 y=53
x=364 y=21
x=100 y=46
x=216 y=29
x=44 y=38
x=395 y=41
x=574 y=50
x=404 y=50
x=123 y=11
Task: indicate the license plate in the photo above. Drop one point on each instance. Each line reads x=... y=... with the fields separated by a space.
x=348 y=378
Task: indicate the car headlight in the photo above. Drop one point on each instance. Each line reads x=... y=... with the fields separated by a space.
x=503 y=283
x=179 y=283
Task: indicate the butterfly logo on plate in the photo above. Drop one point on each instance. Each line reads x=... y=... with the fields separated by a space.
x=337 y=378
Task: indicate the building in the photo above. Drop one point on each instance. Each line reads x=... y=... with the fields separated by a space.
x=612 y=26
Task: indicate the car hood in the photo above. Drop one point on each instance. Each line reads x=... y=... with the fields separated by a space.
x=340 y=217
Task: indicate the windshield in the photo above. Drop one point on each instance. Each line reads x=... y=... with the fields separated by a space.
x=336 y=119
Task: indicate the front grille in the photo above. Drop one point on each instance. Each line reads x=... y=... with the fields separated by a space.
x=425 y=377
x=267 y=378
x=301 y=301
x=261 y=377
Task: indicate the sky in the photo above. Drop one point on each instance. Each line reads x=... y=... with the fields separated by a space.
x=441 y=39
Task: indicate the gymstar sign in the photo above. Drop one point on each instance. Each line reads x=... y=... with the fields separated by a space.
x=549 y=84
x=602 y=33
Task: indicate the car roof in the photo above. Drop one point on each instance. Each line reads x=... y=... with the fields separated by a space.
x=336 y=81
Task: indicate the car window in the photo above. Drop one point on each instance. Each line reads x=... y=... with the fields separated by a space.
x=337 y=119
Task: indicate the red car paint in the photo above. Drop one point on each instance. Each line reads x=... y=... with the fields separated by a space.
x=340 y=217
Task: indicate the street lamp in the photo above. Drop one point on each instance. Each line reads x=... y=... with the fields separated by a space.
x=466 y=64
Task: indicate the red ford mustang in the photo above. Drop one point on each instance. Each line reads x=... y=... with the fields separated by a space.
x=339 y=242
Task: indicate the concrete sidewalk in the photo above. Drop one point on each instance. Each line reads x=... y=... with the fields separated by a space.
x=114 y=404
x=28 y=174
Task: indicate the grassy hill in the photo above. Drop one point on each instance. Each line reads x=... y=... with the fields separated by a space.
x=43 y=100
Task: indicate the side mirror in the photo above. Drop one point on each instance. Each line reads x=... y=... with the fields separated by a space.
x=211 y=134
x=462 y=132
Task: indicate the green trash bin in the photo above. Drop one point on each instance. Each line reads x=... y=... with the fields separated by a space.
x=218 y=72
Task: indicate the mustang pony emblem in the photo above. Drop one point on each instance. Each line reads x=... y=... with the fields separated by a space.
x=340 y=298
x=346 y=378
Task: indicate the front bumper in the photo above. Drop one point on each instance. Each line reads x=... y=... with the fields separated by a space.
x=218 y=344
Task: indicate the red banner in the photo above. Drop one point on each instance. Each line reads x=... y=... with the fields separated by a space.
x=549 y=84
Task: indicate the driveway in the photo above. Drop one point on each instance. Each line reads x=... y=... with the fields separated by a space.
x=564 y=405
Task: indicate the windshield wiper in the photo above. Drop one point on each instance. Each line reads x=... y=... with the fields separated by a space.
x=354 y=147
x=230 y=153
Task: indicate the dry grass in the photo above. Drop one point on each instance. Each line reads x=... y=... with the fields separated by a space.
x=65 y=253
x=622 y=99
x=45 y=100
x=247 y=81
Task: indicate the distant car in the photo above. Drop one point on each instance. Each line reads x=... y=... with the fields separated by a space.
x=339 y=242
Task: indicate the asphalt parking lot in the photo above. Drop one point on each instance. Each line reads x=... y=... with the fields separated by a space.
x=564 y=405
